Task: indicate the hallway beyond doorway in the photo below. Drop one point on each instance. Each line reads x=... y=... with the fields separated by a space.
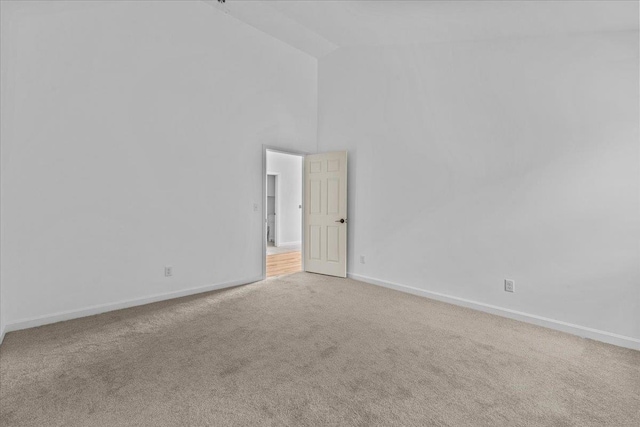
x=275 y=250
x=284 y=263
x=283 y=213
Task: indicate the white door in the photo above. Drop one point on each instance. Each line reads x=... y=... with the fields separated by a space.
x=325 y=218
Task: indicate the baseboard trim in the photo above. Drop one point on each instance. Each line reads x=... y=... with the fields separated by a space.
x=2 y=332
x=103 y=308
x=298 y=243
x=581 y=331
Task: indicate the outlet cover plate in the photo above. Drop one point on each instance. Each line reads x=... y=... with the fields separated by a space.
x=509 y=285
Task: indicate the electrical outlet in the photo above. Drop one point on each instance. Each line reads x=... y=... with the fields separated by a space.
x=168 y=271
x=509 y=285
x=361 y=259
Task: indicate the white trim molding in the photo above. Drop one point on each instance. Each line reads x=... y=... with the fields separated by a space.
x=103 y=308
x=581 y=331
x=2 y=332
x=285 y=244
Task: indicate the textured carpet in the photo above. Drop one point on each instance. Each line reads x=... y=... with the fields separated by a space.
x=311 y=350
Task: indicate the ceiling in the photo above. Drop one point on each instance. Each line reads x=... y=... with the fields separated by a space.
x=321 y=26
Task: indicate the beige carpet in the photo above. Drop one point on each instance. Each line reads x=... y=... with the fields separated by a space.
x=311 y=350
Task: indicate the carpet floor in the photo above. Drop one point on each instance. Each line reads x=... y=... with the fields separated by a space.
x=308 y=350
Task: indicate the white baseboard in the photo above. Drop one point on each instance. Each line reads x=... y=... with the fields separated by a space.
x=298 y=243
x=582 y=331
x=103 y=308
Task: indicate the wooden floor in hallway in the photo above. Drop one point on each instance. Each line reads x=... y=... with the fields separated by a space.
x=286 y=263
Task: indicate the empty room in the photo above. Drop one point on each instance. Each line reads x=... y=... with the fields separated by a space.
x=319 y=213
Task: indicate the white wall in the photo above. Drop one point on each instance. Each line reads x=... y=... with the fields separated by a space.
x=289 y=171
x=475 y=162
x=132 y=138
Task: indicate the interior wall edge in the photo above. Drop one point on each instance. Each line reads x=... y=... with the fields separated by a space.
x=573 y=329
x=104 y=308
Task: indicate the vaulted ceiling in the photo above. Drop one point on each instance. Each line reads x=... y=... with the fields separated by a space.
x=321 y=26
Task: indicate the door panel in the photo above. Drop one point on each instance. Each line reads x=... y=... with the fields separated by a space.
x=315 y=196
x=333 y=243
x=325 y=207
x=315 y=244
x=333 y=196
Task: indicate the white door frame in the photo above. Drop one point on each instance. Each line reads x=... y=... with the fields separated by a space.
x=302 y=154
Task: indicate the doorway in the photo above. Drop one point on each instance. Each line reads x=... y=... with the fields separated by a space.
x=283 y=212
x=272 y=202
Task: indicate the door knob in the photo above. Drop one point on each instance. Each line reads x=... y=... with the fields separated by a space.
x=341 y=221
